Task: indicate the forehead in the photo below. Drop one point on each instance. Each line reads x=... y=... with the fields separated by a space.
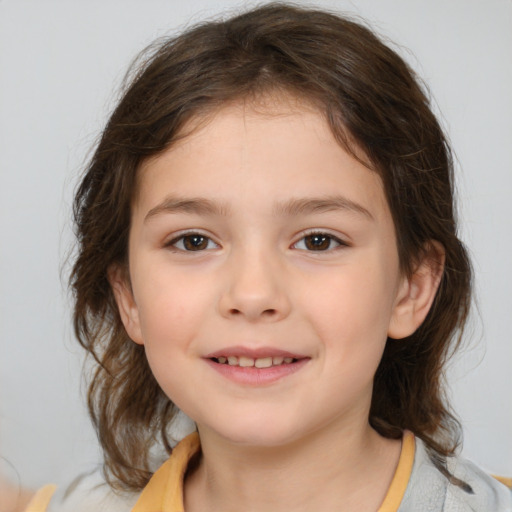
x=245 y=148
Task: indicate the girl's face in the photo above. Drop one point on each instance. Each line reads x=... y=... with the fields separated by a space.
x=264 y=276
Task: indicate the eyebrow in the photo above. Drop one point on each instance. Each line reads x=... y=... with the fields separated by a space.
x=290 y=208
x=309 y=205
x=193 y=205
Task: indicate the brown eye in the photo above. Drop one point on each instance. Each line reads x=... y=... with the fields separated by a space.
x=192 y=242
x=318 y=242
x=195 y=242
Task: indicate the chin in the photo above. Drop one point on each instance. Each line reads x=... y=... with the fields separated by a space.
x=268 y=433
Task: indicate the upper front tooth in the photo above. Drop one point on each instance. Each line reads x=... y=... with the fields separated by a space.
x=277 y=360
x=263 y=362
x=246 y=361
x=233 y=360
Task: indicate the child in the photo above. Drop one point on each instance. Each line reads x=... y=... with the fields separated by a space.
x=267 y=242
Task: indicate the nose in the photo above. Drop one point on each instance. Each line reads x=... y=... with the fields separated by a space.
x=255 y=288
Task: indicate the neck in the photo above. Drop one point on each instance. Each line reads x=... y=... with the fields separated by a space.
x=347 y=470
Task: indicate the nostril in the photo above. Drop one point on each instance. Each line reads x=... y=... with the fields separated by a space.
x=264 y=313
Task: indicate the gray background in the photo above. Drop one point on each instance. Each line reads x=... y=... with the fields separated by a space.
x=60 y=64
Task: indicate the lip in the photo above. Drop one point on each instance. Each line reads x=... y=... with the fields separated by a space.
x=252 y=376
x=254 y=353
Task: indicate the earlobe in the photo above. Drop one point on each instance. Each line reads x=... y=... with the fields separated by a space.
x=125 y=301
x=417 y=293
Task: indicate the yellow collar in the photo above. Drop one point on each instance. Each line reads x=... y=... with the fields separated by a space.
x=402 y=475
x=164 y=492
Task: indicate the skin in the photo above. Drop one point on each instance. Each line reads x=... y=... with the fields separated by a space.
x=302 y=442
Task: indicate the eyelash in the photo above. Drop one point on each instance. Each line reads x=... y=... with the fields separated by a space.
x=325 y=236
x=173 y=244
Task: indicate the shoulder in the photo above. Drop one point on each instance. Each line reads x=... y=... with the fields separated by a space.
x=486 y=492
x=85 y=493
x=430 y=490
x=90 y=492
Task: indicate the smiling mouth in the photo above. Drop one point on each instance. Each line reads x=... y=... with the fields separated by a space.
x=249 y=362
x=256 y=367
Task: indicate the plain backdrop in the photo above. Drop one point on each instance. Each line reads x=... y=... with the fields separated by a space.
x=60 y=65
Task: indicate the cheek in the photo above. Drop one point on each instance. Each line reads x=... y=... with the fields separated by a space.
x=168 y=297
x=172 y=310
x=170 y=323
x=352 y=302
x=351 y=315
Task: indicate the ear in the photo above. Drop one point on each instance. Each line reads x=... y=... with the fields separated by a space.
x=128 y=311
x=417 y=292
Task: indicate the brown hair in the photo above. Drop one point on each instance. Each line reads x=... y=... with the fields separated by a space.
x=372 y=101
